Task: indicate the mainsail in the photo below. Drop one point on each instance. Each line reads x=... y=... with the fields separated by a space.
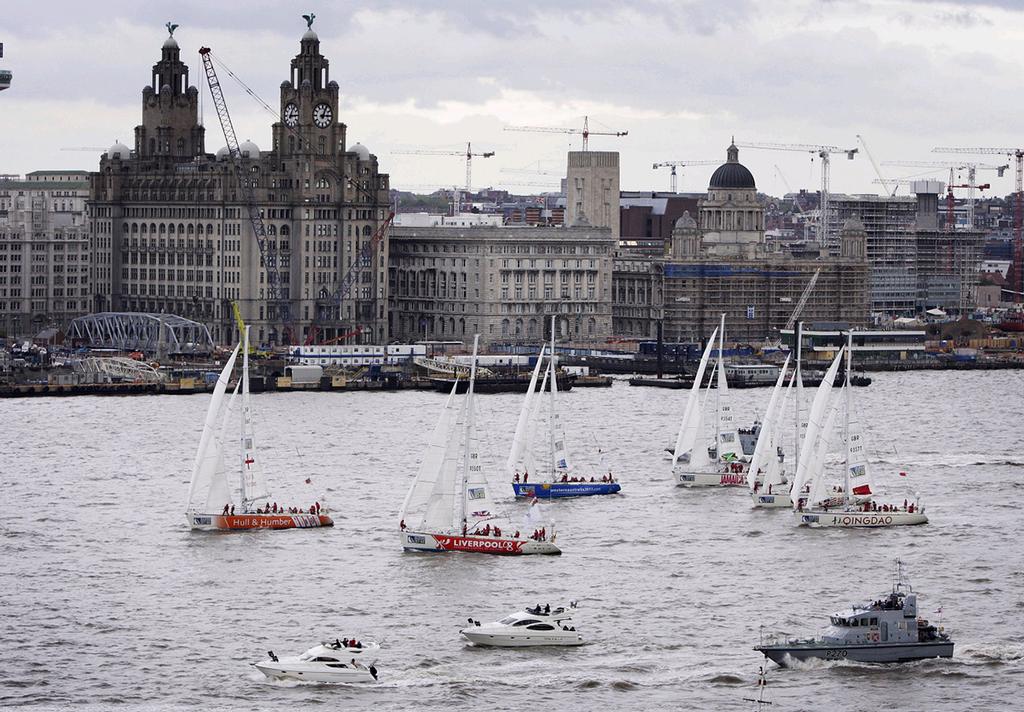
x=765 y=451
x=691 y=426
x=254 y=481
x=423 y=487
x=815 y=421
x=209 y=454
x=521 y=441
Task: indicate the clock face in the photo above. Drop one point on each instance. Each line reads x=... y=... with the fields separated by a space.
x=291 y=115
x=322 y=115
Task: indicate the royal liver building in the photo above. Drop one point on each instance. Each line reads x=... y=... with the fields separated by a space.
x=171 y=231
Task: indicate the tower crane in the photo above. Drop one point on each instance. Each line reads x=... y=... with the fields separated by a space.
x=680 y=164
x=468 y=154
x=585 y=131
x=972 y=176
x=277 y=293
x=1017 y=277
x=874 y=163
x=824 y=153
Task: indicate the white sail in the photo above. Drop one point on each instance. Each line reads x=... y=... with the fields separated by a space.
x=208 y=454
x=439 y=514
x=859 y=478
x=254 y=481
x=476 y=501
x=773 y=474
x=765 y=450
x=815 y=420
x=422 y=487
x=689 y=427
x=219 y=493
x=530 y=461
x=521 y=441
x=728 y=437
x=559 y=455
x=827 y=437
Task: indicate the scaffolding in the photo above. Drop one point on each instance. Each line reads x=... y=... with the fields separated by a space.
x=891 y=247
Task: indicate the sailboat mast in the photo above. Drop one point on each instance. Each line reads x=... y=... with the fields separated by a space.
x=846 y=416
x=243 y=451
x=718 y=391
x=554 y=388
x=799 y=395
x=468 y=433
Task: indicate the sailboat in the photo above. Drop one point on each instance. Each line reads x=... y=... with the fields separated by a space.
x=448 y=507
x=766 y=476
x=692 y=462
x=555 y=477
x=852 y=503
x=211 y=504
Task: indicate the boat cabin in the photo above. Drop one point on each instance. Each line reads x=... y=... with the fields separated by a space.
x=892 y=619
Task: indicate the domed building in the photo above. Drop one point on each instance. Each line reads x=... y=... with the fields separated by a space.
x=722 y=263
x=169 y=202
x=731 y=218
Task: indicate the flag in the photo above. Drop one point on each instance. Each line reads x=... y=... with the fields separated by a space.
x=562 y=464
x=862 y=490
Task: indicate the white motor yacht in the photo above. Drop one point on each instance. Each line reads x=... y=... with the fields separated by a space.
x=526 y=628
x=327 y=662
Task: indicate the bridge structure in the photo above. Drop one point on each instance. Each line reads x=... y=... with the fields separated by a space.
x=158 y=334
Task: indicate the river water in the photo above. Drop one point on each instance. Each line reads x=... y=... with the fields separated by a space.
x=106 y=598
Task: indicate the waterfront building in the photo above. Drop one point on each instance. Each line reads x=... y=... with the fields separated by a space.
x=592 y=189
x=651 y=216
x=449 y=282
x=720 y=262
x=170 y=226
x=44 y=250
x=889 y=223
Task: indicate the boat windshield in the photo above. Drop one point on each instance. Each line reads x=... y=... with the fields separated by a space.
x=525 y=621
x=508 y=621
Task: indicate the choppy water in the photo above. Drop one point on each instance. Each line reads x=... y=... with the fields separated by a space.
x=106 y=597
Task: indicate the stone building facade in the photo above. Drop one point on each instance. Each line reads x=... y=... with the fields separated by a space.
x=592 y=189
x=448 y=283
x=44 y=251
x=720 y=263
x=170 y=224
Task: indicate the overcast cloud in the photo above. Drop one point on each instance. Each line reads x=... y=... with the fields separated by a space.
x=681 y=77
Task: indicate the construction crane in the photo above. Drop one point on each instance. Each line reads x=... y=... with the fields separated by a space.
x=673 y=165
x=802 y=302
x=1017 y=276
x=276 y=293
x=585 y=131
x=874 y=163
x=824 y=153
x=85 y=148
x=468 y=154
x=972 y=176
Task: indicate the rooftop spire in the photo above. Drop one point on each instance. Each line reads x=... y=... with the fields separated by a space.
x=732 y=153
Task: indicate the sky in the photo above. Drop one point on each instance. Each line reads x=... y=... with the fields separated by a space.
x=681 y=76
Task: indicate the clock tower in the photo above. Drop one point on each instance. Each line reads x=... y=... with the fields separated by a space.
x=170 y=129
x=309 y=123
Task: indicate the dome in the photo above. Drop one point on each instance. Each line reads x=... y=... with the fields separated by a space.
x=249 y=149
x=310 y=35
x=686 y=221
x=119 y=150
x=362 y=151
x=170 y=43
x=732 y=173
x=286 y=84
x=223 y=154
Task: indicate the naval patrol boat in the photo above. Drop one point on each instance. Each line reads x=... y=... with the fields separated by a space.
x=887 y=630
